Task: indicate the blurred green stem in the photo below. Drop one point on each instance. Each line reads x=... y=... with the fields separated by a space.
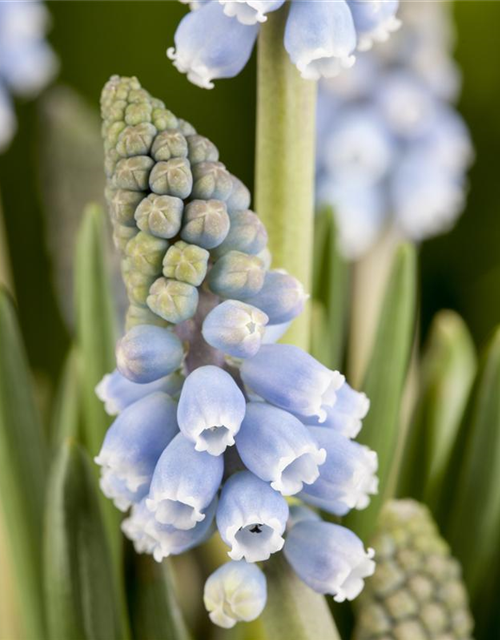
x=286 y=108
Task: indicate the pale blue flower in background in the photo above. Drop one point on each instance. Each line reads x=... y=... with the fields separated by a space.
x=236 y=591
x=329 y=558
x=374 y=21
x=250 y=11
x=211 y=409
x=251 y=518
x=27 y=63
x=133 y=445
x=299 y=513
x=278 y=448
x=184 y=483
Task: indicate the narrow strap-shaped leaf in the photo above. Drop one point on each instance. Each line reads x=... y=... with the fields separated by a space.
x=385 y=378
x=66 y=414
x=448 y=370
x=293 y=610
x=155 y=612
x=80 y=594
x=22 y=469
x=473 y=524
x=95 y=321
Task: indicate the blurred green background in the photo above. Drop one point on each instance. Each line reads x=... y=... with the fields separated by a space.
x=96 y=39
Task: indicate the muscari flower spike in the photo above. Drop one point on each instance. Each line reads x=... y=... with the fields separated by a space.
x=216 y=425
x=216 y=39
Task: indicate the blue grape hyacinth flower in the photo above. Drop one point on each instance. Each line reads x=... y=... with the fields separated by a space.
x=216 y=39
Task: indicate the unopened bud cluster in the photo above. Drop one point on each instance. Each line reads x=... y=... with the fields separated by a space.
x=417 y=591
x=217 y=426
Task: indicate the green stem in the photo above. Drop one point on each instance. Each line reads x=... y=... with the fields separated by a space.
x=286 y=107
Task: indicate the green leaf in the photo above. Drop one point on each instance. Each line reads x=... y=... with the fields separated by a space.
x=330 y=281
x=385 y=378
x=473 y=523
x=95 y=321
x=154 y=609
x=66 y=414
x=448 y=370
x=80 y=595
x=23 y=463
x=293 y=610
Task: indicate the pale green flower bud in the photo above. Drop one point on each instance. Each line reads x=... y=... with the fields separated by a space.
x=142 y=315
x=138 y=113
x=172 y=300
x=172 y=178
x=416 y=591
x=160 y=216
x=186 y=263
x=122 y=206
x=133 y=173
x=169 y=144
x=116 y=111
x=237 y=275
x=122 y=235
x=246 y=234
x=164 y=119
x=137 y=285
x=110 y=162
x=186 y=128
x=211 y=180
x=239 y=200
x=201 y=149
x=112 y=134
x=206 y=223
x=138 y=95
x=145 y=253
x=136 y=140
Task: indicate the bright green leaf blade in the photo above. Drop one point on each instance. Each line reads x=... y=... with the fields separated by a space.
x=448 y=370
x=22 y=469
x=95 y=321
x=385 y=378
x=473 y=523
x=155 y=612
x=80 y=595
x=293 y=610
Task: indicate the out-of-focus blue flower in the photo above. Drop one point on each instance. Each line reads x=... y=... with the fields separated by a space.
x=346 y=415
x=211 y=409
x=278 y=448
x=348 y=477
x=216 y=39
x=118 y=392
x=235 y=591
x=27 y=63
x=147 y=353
x=133 y=445
x=282 y=297
x=209 y=45
x=335 y=564
x=184 y=483
x=236 y=328
x=292 y=379
x=300 y=513
x=251 y=518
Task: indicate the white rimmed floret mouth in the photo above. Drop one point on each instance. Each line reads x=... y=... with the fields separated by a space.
x=255 y=539
x=123 y=490
x=112 y=465
x=102 y=392
x=364 y=482
x=327 y=394
x=246 y=12
x=198 y=74
x=352 y=583
x=381 y=34
x=214 y=440
x=168 y=510
x=322 y=62
x=295 y=471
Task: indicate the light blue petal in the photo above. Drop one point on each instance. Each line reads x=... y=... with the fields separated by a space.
x=374 y=20
x=251 y=11
x=251 y=518
x=320 y=38
x=147 y=353
x=299 y=513
x=211 y=408
x=236 y=328
x=347 y=479
x=185 y=482
x=291 y=379
x=278 y=448
x=329 y=558
x=282 y=297
x=236 y=591
x=133 y=445
x=210 y=45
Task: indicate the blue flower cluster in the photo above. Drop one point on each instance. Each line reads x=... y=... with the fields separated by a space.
x=392 y=150
x=27 y=63
x=216 y=39
x=217 y=426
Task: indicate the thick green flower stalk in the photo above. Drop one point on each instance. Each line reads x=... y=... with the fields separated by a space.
x=417 y=591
